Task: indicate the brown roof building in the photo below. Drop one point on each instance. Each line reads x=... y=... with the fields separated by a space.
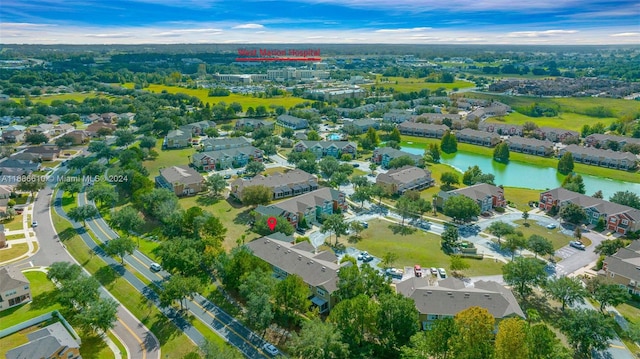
x=287 y=184
x=182 y=180
x=405 y=178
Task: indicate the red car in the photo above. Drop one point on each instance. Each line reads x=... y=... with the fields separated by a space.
x=417 y=270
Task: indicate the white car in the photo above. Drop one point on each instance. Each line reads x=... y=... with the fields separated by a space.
x=551 y=226
x=442 y=272
x=577 y=245
x=34 y=224
x=155 y=267
x=270 y=349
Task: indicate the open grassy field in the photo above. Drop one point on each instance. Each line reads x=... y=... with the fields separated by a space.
x=245 y=101
x=558 y=239
x=620 y=108
x=234 y=217
x=75 y=96
x=421 y=142
x=168 y=158
x=418 y=248
x=401 y=84
x=520 y=197
x=567 y=120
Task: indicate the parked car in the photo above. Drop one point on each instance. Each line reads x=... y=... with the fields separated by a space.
x=367 y=258
x=356 y=165
x=301 y=231
x=362 y=255
x=155 y=267
x=551 y=226
x=434 y=271
x=417 y=271
x=364 y=224
x=577 y=245
x=442 y=273
x=34 y=224
x=270 y=349
x=227 y=176
x=394 y=273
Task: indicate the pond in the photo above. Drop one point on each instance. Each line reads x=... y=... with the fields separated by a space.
x=524 y=175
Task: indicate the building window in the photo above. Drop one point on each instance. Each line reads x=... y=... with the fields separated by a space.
x=625 y=222
x=612 y=220
x=321 y=292
x=595 y=215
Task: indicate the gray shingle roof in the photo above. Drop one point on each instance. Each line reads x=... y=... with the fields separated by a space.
x=403 y=175
x=44 y=343
x=181 y=174
x=11 y=278
x=625 y=262
x=277 y=181
x=609 y=208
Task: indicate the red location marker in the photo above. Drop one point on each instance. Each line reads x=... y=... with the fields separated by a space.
x=271 y=222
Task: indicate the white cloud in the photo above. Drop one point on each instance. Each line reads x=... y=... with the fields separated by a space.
x=626 y=34
x=405 y=30
x=248 y=26
x=545 y=33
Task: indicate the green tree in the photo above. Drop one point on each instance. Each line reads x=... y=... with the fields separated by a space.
x=523 y=273
x=120 y=247
x=567 y=291
x=328 y=166
x=356 y=227
x=511 y=339
x=319 y=340
x=543 y=343
x=469 y=176
x=450 y=237
x=500 y=229
x=434 y=152
x=372 y=135
x=82 y=213
x=127 y=219
x=573 y=213
x=32 y=184
x=398 y=320
x=609 y=247
x=71 y=186
x=99 y=316
x=361 y=195
x=586 y=330
x=501 y=152
x=211 y=350
x=76 y=294
x=514 y=242
x=282 y=225
x=360 y=181
x=401 y=162
x=36 y=138
x=525 y=216
x=215 y=184
x=475 y=334
x=461 y=208
x=313 y=135
x=257 y=288
x=388 y=259
x=612 y=294
x=182 y=255
x=458 y=264
x=255 y=195
x=63 y=271
x=338 y=179
x=448 y=179
x=102 y=193
x=356 y=318
x=626 y=198
x=565 y=164
x=148 y=142
x=405 y=207
x=64 y=141
x=254 y=167
x=437 y=342
x=124 y=137
x=334 y=223
x=291 y=295
x=449 y=144
x=540 y=245
x=574 y=183
x=178 y=288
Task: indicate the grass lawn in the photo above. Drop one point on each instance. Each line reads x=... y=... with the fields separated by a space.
x=401 y=84
x=418 y=248
x=245 y=101
x=173 y=342
x=76 y=96
x=558 y=239
x=14 y=224
x=520 y=197
x=421 y=142
x=233 y=217
x=15 y=251
x=21 y=199
x=168 y=158
x=567 y=120
x=270 y=171
x=14 y=236
x=14 y=340
x=42 y=292
x=631 y=312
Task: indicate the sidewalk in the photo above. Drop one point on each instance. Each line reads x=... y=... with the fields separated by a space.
x=29 y=235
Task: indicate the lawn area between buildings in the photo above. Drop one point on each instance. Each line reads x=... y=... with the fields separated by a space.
x=245 y=101
x=567 y=120
x=628 y=176
x=421 y=248
x=520 y=197
x=74 y=96
x=13 y=224
x=15 y=251
x=556 y=237
x=167 y=158
x=401 y=84
x=43 y=294
x=173 y=342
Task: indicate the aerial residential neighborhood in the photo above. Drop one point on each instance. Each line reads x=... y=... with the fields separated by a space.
x=231 y=189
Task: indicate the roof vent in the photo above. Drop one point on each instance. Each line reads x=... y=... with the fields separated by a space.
x=449 y=293
x=278 y=246
x=324 y=268
x=487 y=295
x=429 y=292
x=288 y=251
x=466 y=294
x=299 y=258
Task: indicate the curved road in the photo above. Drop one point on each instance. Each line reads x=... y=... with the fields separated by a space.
x=138 y=340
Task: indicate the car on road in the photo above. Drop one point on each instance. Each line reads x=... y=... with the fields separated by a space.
x=227 y=176
x=270 y=349
x=356 y=165
x=442 y=273
x=551 y=226
x=364 y=224
x=577 y=245
x=155 y=267
x=34 y=224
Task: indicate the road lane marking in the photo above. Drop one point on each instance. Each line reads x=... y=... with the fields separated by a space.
x=136 y=337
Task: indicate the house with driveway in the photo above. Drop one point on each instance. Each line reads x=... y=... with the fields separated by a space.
x=622 y=267
x=384 y=155
x=599 y=157
x=422 y=129
x=292 y=122
x=530 y=146
x=475 y=137
x=319 y=270
x=182 y=180
x=618 y=218
x=283 y=185
x=327 y=148
x=311 y=207
x=15 y=288
x=407 y=178
x=442 y=299
x=486 y=195
x=225 y=159
x=177 y=139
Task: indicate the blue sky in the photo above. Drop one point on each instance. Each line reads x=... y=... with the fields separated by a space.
x=320 y=21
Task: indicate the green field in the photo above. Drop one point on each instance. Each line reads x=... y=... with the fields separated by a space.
x=566 y=120
x=558 y=239
x=418 y=248
x=245 y=101
x=401 y=84
x=520 y=197
x=15 y=251
x=167 y=158
x=75 y=96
